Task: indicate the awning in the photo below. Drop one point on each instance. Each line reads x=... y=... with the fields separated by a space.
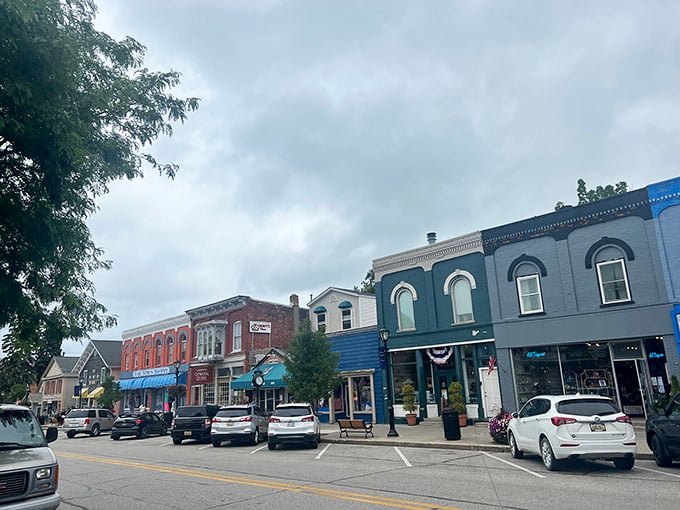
x=153 y=381
x=320 y=309
x=273 y=377
x=96 y=393
x=84 y=392
x=345 y=304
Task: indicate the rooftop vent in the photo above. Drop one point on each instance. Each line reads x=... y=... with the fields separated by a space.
x=431 y=237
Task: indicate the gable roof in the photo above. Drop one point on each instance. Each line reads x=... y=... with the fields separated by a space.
x=338 y=290
x=110 y=351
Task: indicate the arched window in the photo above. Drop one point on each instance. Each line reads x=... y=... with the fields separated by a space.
x=405 y=313
x=183 y=348
x=461 y=298
x=159 y=351
x=171 y=350
x=236 y=336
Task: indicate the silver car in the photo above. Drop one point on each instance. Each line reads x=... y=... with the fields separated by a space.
x=88 y=421
x=246 y=422
x=294 y=423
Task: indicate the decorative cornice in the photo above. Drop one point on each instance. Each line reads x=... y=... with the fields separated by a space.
x=156 y=327
x=219 y=307
x=426 y=256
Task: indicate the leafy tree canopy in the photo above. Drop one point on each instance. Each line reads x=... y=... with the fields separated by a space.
x=311 y=366
x=585 y=196
x=112 y=393
x=77 y=111
x=368 y=284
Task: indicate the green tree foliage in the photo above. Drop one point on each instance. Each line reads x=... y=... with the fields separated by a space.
x=112 y=393
x=368 y=284
x=585 y=196
x=77 y=111
x=17 y=393
x=311 y=366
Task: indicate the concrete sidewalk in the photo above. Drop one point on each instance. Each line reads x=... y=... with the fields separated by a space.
x=430 y=434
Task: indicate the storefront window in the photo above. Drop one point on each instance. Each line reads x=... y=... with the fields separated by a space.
x=586 y=368
x=470 y=375
x=627 y=350
x=361 y=394
x=404 y=372
x=537 y=372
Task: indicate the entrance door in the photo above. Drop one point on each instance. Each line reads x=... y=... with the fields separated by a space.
x=443 y=378
x=629 y=386
x=491 y=392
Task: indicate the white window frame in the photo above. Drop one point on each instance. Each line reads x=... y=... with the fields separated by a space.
x=456 y=319
x=399 y=310
x=521 y=295
x=237 y=337
x=159 y=352
x=171 y=350
x=319 y=322
x=345 y=315
x=601 y=283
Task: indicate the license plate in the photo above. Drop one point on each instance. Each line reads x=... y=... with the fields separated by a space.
x=291 y=424
x=187 y=432
x=598 y=427
x=230 y=424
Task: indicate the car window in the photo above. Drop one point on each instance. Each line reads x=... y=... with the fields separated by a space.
x=77 y=413
x=542 y=406
x=21 y=427
x=528 y=409
x=191 y=411
x=586 y=407
x=91 y=413
x=291 y=412
x=232 y=413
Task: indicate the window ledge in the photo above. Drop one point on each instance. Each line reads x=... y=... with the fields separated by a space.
x=466 y=323
x=618 y=303
x=532 y=314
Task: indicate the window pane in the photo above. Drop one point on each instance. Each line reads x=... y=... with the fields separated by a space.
x=462 y=301
x=613 y=281
x=529 y=294
x=406 y=317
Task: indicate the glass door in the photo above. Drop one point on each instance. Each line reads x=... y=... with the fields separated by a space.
x=629 y=387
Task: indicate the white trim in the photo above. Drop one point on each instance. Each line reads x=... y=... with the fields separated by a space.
x=456 y=274
x=622 y=262
x=536 y=277
x=414 y=348
x=403 y=285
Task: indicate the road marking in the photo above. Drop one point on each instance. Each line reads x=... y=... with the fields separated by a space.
x=514 y=465
x=323 y=451
x=403 y=457
x=206 y=446
x=657 y=471
x=266 y=484
x=258 y=449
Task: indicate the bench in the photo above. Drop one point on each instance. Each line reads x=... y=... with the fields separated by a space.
x=356 y=425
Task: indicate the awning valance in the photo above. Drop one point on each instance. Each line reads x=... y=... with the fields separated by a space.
x=84 y=392
x=320 y=309
x=273 y=377
x=153 y=381
x=345 y=304
x=96 y=393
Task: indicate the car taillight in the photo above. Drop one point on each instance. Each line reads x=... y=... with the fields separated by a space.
x=87 y=421
x=624 y=419
x=308 y=418
x=138 y=421
x=172 y=424
x=560 y=420
x=207 y=422
x=215 y=420
x=246 y=418
x=274 y=419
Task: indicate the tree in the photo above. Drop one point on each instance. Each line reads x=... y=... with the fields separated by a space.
x=112 y=393
x=585 y=196
x=77 y=110
x=368 y=284
x=311 y=366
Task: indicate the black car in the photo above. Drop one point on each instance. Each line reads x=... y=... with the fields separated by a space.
x=138 y=424
x=663 y=433
x=193 y=422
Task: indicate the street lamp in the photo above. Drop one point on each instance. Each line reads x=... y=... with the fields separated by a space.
x=177 y=364
x=384 y=335
x=80 y=394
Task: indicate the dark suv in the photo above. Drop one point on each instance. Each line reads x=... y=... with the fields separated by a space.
x=193 y=422
x=663 y=433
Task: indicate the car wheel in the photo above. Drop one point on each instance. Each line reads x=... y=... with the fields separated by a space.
x=625 y=462
x=255 y=437
x=216 y=443
x=95 y=431
x=70 y=434
x=514 y=450
x=661 y=456
x=547 y=455
x=271 y=445
x=143 y=433
x=176 y=440
x=115 y=437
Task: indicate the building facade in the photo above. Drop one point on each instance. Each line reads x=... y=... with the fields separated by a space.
x=56 y=386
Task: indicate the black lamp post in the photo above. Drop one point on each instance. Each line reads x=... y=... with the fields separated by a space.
x=80 y=394
x=384 y=335
x=177 y=364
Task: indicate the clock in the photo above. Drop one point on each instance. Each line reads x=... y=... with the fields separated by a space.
x=258 y=380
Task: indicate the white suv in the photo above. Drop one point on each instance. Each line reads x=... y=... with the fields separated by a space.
x=244 y=422
x=293 y=423
x=88 y=421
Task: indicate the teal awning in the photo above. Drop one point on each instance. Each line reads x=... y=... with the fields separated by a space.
x=153 y=381
x=273 y=377
x=320 y=309
x=345 y=304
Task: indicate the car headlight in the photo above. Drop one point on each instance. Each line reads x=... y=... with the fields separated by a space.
x=43 y=473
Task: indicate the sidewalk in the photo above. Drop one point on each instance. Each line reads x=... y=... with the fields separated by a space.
x=430 y=434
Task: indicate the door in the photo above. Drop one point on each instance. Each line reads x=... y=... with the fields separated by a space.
x=443 y=378
x=628 y=383
x=491 y=392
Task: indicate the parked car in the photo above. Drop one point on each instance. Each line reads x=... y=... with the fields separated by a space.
x=663 y=433
x=139 y=424
x=293 y=423
x=245 y=423
x=192 y=422
x=88 y=421
x=28 y=467
x=572 y=426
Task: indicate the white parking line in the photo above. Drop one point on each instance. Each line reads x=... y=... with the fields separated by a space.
x=323 y=451
x=206 y=446
x=513 y=465
x=258 y=449
x=657 y=471
x=403 y=457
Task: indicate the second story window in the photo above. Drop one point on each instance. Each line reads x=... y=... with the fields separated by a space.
x=613 y=281
x=136 y=363
x=171 y=350
x=147 y=357
x=320 y=312
x=159 y=351
x=461 y=298
x=406 y=316
x=236 y=332
x=345 y=314
x=529 y=292
x=183 y=349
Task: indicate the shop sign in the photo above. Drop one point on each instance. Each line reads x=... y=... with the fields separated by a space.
x=534 y=354
x=202 y=375
x=656 y=355
x=148 y=372
x=260 y=327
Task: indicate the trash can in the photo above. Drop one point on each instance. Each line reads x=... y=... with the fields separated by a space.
x=451 y=424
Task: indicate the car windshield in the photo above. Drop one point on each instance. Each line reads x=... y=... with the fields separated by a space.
x=585 y=407
x=191 y=411
x=19 y=429
x=291 y=412
x=233 y=413
x=81 y=413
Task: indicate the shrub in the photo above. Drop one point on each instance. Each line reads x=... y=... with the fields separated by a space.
x=456 y=400
x=409 y=398
x=498 y=427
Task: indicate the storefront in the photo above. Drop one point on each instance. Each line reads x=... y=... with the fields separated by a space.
x=149 y=388
x=632 y=372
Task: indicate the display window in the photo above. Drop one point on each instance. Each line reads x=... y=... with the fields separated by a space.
x=537 y=372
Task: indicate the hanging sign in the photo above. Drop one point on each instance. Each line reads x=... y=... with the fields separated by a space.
x=440 y=355
x=260 y=327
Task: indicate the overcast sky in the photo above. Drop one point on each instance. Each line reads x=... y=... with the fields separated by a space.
x=333 y=133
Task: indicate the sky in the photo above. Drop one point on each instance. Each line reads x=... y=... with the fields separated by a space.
x=333 y=133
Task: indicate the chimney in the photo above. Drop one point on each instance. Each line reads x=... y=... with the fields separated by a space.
x=295 y=303
x=431 y=237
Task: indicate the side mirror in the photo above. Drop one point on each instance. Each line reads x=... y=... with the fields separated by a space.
x=52 y=434
x=515 y=414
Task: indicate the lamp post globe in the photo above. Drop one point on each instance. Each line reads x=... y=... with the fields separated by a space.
x=384 y=335
x=177 y=364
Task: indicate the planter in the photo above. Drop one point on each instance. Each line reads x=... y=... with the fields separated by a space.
x=412 y=419
x=462 y=419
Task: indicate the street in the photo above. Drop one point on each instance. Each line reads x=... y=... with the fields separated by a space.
x=98 y=473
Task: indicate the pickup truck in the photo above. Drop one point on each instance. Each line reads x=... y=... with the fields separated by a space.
x=193 y=422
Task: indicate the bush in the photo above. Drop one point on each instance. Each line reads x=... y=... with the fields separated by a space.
x=409 y=398
x=456 y=399
x=498 y=427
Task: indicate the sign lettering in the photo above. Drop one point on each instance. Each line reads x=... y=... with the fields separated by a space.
x=260 y=327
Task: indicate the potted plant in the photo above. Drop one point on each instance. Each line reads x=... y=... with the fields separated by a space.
x=457 y=402
x=408 y=393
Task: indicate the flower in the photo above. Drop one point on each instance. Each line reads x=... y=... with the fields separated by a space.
x=498 y=427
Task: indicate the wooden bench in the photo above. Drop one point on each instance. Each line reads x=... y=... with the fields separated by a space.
x=357 y=425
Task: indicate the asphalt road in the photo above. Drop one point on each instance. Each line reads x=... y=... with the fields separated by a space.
x=98 y=473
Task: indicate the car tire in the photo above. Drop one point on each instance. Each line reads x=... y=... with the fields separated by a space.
x=143 y=433
x=255 y=437
x=176 y=440
x=115 y=437
x=95 y=431
x=271 y=445
x=661 y=456
x=70 y=434
x=547 y=455
x=514 y=450
x=216 y=443
x=625 y=462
